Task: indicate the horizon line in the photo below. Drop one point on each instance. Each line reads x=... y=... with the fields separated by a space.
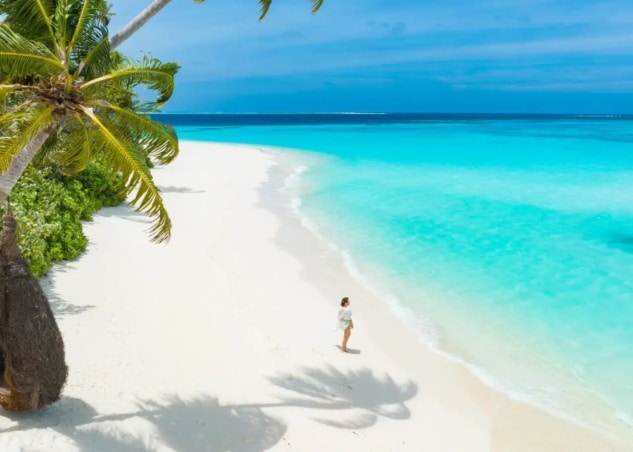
x=378 y=113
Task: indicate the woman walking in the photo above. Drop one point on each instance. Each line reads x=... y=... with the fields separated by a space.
x=345 y=322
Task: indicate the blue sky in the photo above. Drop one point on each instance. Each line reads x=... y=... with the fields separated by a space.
x=541 y=56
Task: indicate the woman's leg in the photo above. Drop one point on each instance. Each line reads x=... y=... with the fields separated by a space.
x=346 y=334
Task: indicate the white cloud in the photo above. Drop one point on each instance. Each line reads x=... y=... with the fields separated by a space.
x=222 y=40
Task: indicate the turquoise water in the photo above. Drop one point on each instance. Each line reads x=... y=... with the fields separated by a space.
x=508 y=242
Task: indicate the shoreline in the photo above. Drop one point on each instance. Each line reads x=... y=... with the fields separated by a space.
x=579 y=408
x=295 y=224
x=224 y=339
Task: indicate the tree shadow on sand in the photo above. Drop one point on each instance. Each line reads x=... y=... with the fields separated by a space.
x=204 y=424
x=79 y=422
x=61 y=308
x=200 y=424
x=352 y=400
x=174 y=189
x=125 y=212
x=360 y=395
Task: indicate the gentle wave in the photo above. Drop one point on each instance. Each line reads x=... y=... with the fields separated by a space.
x=428 y=332
x=513 y=237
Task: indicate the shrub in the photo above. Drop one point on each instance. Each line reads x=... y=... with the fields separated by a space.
x=49 y=208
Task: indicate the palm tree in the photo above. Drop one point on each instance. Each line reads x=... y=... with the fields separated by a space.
x=153 y=8
x=58 y=78
x=31 y=346
x=59 y=81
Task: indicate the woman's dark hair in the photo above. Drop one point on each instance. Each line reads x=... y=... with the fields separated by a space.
x=344 y=301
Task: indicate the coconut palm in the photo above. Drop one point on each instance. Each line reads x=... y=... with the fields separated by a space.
x=31 y=344
x=60 y=82
x=59 y=78
x=153 y=8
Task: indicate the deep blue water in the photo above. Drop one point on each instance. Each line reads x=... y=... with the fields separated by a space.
x=508 y=238
x=254 y=119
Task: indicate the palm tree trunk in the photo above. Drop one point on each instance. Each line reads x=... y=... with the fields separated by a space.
x=19 y=163
x=137 y=22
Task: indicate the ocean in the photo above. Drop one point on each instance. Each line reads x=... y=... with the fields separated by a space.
x=506 y=240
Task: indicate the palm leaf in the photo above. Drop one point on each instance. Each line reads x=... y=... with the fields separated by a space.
x=130 y=161
x=89 y=15
x=316 y=5
x=95 y=57
x=11 y=112
x=21 y=57
x=152 y=73
x=5 y=92
x=8 y=89
x=158 y=141
x=31 y=18
x=264 y=6
x=19 y=129
x=70 y=149
x=60 y=25
x=43 y=8
x=90 y=46
x=16 y=117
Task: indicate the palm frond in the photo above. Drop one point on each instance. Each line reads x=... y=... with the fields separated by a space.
x=157 y=140
x=43 y=8
x=89 y=47
x=264 y=6
x=11 y=111
x=21 y=57
x=18 y=129
x=316 y=5
x=7 y=89
x=90 y=14
x=130 y=162
x=154 y=74
x=16 y=117
x=70 y=149
x=4 y=96
x=31 y=18
x=60 y=24
x=94 y=59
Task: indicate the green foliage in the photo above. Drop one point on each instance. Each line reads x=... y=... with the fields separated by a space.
x=264 y=6
x=63 y=83
x=49 y=207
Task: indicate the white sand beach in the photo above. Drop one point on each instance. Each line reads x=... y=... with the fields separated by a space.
x=224 y=340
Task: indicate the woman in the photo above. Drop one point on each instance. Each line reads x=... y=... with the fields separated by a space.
x=345 y=322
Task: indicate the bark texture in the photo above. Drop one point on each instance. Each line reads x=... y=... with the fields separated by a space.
x=31 y=344
x=137 y=23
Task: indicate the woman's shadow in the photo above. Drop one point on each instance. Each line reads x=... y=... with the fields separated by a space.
x=351 y=351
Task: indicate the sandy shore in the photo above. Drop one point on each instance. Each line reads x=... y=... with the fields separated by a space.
x=224 y=340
